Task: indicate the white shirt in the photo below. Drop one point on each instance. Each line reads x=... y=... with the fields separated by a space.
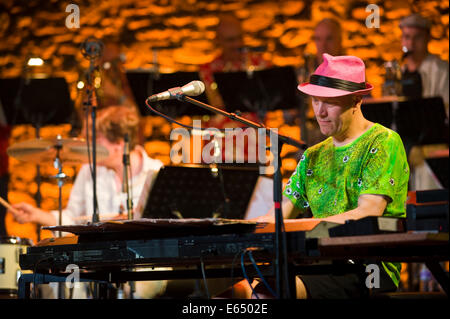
x=80 y=207
x=435 y=78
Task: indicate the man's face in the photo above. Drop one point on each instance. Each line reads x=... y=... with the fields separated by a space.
x=334 y=114
x=415 y=39
x=327 y=40
x=229 y=38
x=115 y=151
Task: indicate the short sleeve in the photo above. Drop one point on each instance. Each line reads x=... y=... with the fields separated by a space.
x=295 y=188
x=386 y=172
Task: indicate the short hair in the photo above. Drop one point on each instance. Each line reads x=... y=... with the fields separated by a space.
x=416 y=21
x=228 y=18
x=114 y=122
x=335 y=23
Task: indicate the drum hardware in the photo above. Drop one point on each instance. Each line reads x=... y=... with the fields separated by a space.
x=72 y=151
x=55 y=151
x=57 y=163
x=10 y=249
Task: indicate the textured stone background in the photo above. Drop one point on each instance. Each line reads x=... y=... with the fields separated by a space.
x=181 y=34
x=182 y=31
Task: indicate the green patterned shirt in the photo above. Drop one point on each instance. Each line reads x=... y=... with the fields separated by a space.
x=329 y=179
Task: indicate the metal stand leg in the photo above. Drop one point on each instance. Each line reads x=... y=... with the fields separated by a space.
x=439 y=274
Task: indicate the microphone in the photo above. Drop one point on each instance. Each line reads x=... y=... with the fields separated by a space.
x=92 y=48
x=193 y=88
x=406 y=52
x=126 y=150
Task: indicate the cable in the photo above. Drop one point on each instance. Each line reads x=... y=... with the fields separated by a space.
x=204 y=277
x=168 y=118
x=250 y=254
x=245 y=274
x=232 y=272
x=34 y=274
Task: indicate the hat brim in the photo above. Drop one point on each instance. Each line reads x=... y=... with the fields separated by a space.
x=323 y=91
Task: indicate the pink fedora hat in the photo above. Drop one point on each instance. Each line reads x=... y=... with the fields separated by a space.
x=337 y=76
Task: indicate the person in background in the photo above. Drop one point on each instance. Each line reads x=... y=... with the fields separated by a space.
x=433 y=72
x=327 y=39
x=233 y=56
x=423 y=75
x=112 y=124
x=114 y=88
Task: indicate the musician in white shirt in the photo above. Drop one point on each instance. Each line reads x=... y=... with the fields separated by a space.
x=112 y=124
x=433 y=71
x=434 y=75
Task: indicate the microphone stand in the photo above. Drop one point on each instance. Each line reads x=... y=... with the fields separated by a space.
x=126 y=189
x=92 y=49
x=126 y=167
x=281 y=266
x=57 y=163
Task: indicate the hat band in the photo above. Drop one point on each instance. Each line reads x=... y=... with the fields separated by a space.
x=336 y=83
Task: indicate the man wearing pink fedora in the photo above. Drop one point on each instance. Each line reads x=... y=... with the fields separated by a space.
x=360 y=170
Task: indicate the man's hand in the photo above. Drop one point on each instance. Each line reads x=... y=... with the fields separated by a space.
x=27 y=213
x=24 y=213
x=288 y=210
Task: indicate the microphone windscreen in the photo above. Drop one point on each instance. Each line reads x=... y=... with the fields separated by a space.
x=194 y=88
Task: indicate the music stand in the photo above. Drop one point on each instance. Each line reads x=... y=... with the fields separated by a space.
x=144 y=83
x=439 y=166
x=259 y=91
x=37 y=102
x=195 y=191
x=418 y=121
x=380 y=112
x=422 y=121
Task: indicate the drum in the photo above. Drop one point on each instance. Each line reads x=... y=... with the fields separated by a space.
x=10 y=250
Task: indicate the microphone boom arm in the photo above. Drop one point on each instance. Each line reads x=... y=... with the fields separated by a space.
x=283 y=289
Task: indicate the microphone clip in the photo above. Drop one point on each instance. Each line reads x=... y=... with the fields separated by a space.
x=177 y=93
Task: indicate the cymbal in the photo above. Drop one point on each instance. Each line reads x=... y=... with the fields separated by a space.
x=72 y=151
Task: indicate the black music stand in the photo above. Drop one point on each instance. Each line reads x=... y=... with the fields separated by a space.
x=195 y=191
x=439 y=166
x=422 y=121
x=144 y=83
x=418 y=121
x=259 y=91
x=379 y=112
x=37 y=102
